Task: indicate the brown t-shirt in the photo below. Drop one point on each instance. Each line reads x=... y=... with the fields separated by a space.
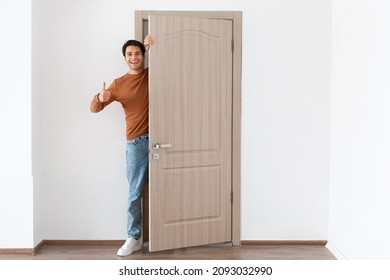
x=132 y=92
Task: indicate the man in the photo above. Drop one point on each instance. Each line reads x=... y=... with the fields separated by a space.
x=131 y=90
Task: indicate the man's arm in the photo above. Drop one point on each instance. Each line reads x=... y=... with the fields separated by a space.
x=100 y=100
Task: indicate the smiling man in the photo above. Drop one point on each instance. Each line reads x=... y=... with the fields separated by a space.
x=131 y=90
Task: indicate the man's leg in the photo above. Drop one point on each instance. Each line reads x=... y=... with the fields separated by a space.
x=137 y=163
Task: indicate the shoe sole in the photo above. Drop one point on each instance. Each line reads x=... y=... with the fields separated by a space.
x=136 y=248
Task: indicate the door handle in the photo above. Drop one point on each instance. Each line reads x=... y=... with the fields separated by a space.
x=157 y=146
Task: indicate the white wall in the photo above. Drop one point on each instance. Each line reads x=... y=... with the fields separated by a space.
x=360 y=134
x=79 y=178
x=285 y=147
x=16 y=187
x=285 y=121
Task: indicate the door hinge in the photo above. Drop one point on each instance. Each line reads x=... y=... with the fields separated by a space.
x=232 y=45
x=231 y=197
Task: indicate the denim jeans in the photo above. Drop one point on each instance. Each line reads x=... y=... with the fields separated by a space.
x=137 y=167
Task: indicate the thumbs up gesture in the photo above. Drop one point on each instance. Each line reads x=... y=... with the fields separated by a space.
x=104 y=95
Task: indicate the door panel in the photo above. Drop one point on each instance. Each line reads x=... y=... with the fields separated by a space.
x=190 y=103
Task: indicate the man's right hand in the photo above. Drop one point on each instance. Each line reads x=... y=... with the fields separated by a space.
x=104 y=95
x=148 y=41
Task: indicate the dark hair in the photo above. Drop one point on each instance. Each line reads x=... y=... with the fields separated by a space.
x=133 y=43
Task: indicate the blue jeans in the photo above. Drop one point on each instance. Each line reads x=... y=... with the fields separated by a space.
x=137 y=167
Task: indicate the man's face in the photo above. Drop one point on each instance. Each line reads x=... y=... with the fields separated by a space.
x=134 y=59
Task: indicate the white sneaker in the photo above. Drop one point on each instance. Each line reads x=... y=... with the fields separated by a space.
x=131 y=245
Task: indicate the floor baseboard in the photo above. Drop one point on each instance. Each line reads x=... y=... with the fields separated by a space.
x=35 y=250
x=335 y=251
x=38 y=247
x=283 y=242
x=244 y=243
x=84 y=242
x=25 y=251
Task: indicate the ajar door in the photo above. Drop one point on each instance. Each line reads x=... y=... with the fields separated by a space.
x=190 y=105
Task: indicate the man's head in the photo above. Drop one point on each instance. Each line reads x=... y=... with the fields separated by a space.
x=133 y=43
x=134 y=54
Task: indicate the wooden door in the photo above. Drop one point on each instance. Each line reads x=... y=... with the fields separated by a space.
x=190 y=103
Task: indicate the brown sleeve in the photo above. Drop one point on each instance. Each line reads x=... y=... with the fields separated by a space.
x=96 y=105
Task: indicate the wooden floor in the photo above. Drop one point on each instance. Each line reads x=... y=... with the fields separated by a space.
x=211 y=252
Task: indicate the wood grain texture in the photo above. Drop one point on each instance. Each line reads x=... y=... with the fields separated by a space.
x=85 y=251
x=190 y=93
x=236 y=129
x=283 y=242
x=141 y=29
x=16 y=251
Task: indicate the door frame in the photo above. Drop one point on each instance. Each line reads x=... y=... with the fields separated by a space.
x=141 y=18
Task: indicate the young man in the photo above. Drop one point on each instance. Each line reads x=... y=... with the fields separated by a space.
x=131 y=90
